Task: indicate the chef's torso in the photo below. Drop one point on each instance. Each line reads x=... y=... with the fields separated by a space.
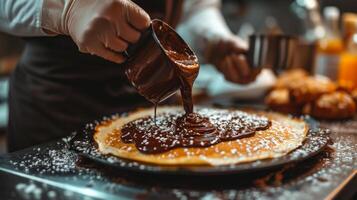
x=56 y=89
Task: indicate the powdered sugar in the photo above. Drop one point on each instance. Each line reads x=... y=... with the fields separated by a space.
x=313 y=179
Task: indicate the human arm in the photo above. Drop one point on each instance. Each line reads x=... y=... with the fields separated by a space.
x=101 y=27
x=204 y=27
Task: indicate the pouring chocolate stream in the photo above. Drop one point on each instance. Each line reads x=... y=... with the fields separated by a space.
x=164 y=64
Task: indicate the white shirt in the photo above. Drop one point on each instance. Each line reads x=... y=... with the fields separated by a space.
x=21 y=17
x=202 y=20
x=202 y=23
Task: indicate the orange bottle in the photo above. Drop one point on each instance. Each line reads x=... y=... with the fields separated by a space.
x=330 y=46
x=349 y=25
x=347 y=76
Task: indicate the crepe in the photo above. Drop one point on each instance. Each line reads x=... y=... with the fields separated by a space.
x=284 y=135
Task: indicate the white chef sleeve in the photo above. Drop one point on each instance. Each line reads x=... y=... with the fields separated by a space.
x=21 y=17
x=202 y=22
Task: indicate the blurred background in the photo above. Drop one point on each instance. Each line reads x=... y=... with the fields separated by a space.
x=325 y=29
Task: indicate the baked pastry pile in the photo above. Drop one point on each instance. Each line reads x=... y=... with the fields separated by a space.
x=296 y=92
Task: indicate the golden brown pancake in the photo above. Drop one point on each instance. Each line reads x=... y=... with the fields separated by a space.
x=284 y=135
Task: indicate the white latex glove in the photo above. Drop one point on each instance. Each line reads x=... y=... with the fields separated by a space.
x=100 y=27
x=228 y=54
x=214 y=42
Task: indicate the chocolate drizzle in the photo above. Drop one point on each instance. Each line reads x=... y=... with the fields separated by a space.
x=202 y=129
x=157 y=76
x=187 y=69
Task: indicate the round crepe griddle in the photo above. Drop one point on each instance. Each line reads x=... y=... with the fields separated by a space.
x=83 y=144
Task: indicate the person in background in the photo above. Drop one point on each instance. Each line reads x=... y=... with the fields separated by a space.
x=70 y=72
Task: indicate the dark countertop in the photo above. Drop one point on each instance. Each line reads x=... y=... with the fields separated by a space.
x=50 y=171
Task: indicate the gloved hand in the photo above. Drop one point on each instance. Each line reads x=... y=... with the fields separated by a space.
x=100 y=27
x=229 y=56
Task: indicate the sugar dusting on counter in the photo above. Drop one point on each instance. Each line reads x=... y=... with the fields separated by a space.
x=48 y=160
x=322 y=176
x=55 y=162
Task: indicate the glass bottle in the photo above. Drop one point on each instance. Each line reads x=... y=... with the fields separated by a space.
x=330 y=46
x=349 y=26
x=347 y=76
x=309 y=12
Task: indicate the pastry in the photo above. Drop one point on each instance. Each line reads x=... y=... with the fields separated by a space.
x=290 y=77
x=310 y=88
x=279 y=100
x=336 y=105
x=354 y=95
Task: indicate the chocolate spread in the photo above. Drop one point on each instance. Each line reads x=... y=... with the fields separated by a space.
x=182 y=60
x=177 y=129
x=187 y=68
x=161 y=133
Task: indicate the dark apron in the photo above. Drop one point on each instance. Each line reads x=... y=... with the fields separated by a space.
x=56 y=90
